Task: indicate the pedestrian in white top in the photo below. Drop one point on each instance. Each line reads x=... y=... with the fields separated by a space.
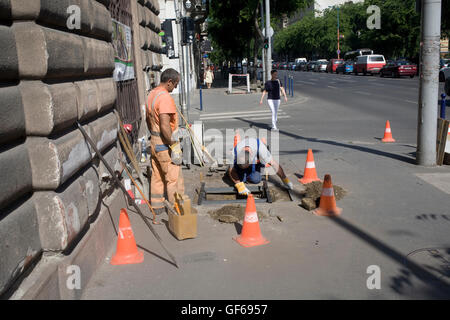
x=273 y=88
x=209 y=77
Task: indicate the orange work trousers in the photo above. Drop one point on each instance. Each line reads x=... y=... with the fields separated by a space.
x=167 y=178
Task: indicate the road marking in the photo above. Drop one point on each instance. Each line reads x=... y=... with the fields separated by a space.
x=245 y=116
x=415 y=102
x=251 y=119
x=362 y=92
x=235 y=113
x=299 y=81
x=332 y=87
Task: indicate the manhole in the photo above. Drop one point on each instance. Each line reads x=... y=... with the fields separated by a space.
x=199 y=257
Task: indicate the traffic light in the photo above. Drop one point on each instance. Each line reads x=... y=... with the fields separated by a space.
x=266 y=43
x=167 y=38
x=188 y=30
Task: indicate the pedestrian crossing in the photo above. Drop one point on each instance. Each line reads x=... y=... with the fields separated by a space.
x=242 y=115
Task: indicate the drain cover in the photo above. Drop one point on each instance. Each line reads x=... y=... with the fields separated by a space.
x=198 y=257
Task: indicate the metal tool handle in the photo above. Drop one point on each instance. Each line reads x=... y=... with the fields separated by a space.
x=91 y=143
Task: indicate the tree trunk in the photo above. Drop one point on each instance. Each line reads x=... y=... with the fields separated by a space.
x=259 y=40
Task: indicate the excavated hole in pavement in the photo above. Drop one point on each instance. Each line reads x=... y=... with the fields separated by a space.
x=313 y=191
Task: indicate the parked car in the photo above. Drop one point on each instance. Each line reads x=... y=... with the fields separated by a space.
x=346 y=67
x=333 y=64
x=298 y=60
x=300 y=66
x=445 y=72
x=444 y=63
x=310 y=65
x=399 y=68
x=369 y=64
x=283 y=65
x=321 y=66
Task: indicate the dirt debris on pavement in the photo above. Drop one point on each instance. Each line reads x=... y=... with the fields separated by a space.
x=313 y=191
x=232 y=214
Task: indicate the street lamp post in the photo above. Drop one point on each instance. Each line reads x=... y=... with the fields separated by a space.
x=338 y=50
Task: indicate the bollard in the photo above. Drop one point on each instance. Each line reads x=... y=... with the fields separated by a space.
x=289 y=86
x=443 y=105
x=292 y=85
x=292 y=91
x=201 y=99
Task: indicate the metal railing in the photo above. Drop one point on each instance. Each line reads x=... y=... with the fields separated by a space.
x=127 y=103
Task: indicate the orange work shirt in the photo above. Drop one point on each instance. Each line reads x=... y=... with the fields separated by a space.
x=164 y=104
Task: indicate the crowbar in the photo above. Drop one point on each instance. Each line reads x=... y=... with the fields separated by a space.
x=142 y=195
x=111 y=172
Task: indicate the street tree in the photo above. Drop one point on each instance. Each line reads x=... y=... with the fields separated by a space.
x=235 y=26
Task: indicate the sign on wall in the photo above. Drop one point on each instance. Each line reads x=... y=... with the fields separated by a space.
x=123 y=52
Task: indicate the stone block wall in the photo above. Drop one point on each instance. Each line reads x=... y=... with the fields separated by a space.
x=150 y=42
x=50 y=78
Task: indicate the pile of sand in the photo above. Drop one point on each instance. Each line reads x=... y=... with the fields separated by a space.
x=232 y=214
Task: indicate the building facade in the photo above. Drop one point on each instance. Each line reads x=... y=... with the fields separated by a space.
x=58 y=66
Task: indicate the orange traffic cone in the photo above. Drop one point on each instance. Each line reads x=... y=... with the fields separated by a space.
x=387 y=133
x=310 y=173
x=237 y=138
x=327 y=205
x=126 y=252
x=251 y=233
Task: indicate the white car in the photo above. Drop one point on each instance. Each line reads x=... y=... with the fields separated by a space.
x=321 y=65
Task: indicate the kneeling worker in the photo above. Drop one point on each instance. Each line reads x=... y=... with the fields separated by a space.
x=250 y=155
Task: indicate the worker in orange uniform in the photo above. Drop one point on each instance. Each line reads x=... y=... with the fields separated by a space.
x=162 y=121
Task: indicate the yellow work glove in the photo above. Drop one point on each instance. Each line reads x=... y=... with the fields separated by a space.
x=242 y=189
x=176 y=154
x=288 y=183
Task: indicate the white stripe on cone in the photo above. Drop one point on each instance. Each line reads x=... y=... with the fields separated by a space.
x=310 y=165
x=388 y=130
x=327 y=192
x=251 y=217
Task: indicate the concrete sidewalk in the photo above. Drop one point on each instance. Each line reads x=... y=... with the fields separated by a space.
x=395 y=216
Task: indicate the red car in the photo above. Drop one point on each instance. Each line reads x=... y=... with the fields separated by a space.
x=332 y=65
x=399 y=68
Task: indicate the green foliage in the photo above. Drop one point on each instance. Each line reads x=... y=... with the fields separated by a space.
x=445 y=18
x=316 y=37
x=232 y=25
